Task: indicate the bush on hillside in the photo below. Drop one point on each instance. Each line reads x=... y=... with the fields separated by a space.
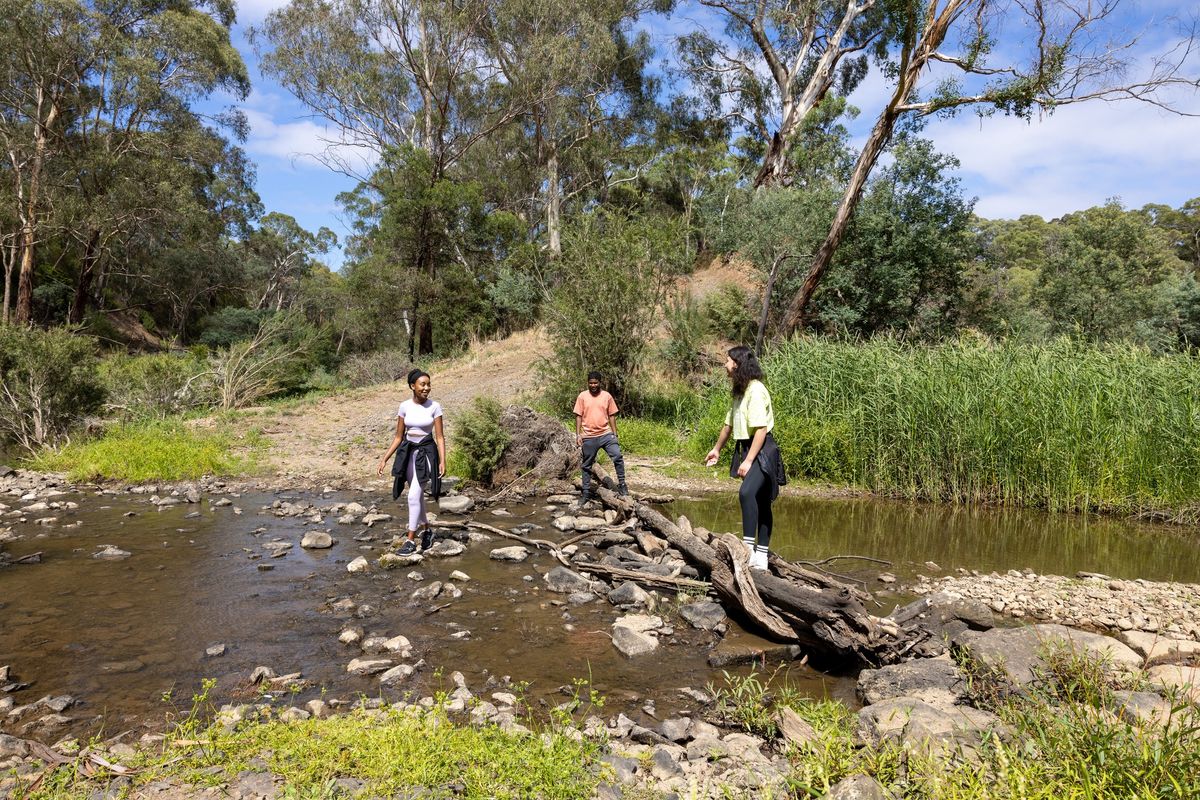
x=728 y=314
x=482 y=440
x=275 y=359
x=156 y=386
x=683 y=349
x=48 y=384
x=380 y=366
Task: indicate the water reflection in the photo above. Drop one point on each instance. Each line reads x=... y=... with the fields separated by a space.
x=972 y=538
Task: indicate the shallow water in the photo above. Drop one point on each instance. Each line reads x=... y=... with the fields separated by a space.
x=120 y=635
x=908 y=535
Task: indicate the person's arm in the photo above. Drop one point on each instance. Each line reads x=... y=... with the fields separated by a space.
x=579 y=430
x=714 y=455
x=612 y=424
x=396 y=440
x=439 y=439
x=756 y=443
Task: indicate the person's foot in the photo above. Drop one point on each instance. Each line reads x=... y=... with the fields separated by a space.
x=408 y=548
x=580 y=502
x=623 y=490
x=426 y=539
x=759 y=560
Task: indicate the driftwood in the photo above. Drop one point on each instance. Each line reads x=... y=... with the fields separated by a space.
x=786 y=602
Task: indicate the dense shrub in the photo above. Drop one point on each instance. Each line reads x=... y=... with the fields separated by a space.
x=276 y=359
x=728 y=314
x=479 y=435
x=156 y=386
x=683 y=349
x=48 y=384
x=380 y=366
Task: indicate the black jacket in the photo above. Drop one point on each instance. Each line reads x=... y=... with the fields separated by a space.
x=768 y=458
x=428 y=467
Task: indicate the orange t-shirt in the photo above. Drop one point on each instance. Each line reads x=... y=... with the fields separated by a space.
x=595 y=411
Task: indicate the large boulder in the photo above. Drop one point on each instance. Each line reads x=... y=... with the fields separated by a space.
x=1017 y=656
x=455 y=504
x=936 y=681
x=704 y=614
x=917 y=725
x=565 y=581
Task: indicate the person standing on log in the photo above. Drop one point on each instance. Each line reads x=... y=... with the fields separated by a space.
x=596 y=430
x=420 y=448
x=756 y=460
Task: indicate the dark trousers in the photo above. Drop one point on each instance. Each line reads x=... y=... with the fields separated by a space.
x=592 y=448
x=755 y=496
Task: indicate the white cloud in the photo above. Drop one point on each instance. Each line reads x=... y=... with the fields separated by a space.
x=251 y=11
x=303 y=142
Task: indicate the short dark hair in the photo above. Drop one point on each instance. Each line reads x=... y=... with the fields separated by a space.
x=747 y=369
x=415 y=375
x=597 y=374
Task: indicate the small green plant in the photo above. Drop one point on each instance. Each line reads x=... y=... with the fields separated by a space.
x=743 y=700
x=481 y=439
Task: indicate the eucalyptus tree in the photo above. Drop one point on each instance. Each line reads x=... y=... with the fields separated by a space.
x=769 y=65
x=1054 y=53
x=282 y=255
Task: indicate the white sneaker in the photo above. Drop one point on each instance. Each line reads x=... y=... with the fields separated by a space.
x=758 y=560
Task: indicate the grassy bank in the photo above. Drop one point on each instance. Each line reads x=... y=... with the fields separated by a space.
x=165 y=450
x=1062 y=426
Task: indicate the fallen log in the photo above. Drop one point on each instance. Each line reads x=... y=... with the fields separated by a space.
x=787 y=603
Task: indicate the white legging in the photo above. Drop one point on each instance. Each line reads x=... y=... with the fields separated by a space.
x=416 y=498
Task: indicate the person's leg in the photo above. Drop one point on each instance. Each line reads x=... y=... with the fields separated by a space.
x=766 y=519
x=748 y=500
x=613 y=448
x=591 y=448
x=416 y=503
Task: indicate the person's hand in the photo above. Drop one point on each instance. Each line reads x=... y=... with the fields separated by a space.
x=712 y=458
x=441 y=469
x=382 y=463
x=744 y=468
x=578 y=440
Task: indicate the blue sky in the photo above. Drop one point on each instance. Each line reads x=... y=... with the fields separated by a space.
x=1078 y=157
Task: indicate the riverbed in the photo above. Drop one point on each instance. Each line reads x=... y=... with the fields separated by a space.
x=129 y=638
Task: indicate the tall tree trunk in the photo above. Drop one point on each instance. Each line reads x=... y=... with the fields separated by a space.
x=83 y=284
x=553 y=203
x=29 y=221
x=766 y=303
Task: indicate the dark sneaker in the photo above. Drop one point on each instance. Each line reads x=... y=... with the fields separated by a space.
x=623 y=490
x=582 y=501
x=408 y=548
x=426 y=539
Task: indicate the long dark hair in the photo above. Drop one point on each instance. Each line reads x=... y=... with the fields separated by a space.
x=747 y=369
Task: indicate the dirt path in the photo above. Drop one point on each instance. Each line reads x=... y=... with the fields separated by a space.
x=338 y=440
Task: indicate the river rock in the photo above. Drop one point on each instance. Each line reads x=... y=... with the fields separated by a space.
x=1176 y=680
x=1016 y=653
x=641 y=623
x=515 y=553
x=676 y=729
x=918 y=725
x=192 y=495
x=12 y=746
x=585 y=524
x=216 y=651
x=630 y=595
x=112 y=553
x=395 y=560
x=455 y=504
x=705 y=614
x=294 y=714
x=398 y=644
x=397 y=674
x=936 y=681
x=426 y=593
x=316 y=540
x=1158 y=649
x=446 y=548
x=167 y=502
x=357 y=565
x=450 y=591
x=565 y=581
x=795 y=730
x=277 y=549
x=459 y=576
x=358 y=509
x=368 y=666
x=858 y=787
x=318 y=708
x=373 y=644
x=633 y=643
x=220 y=502
x=347 y=519
x=564 y=523
x=370 y=519
x=351 y=635
x=1139 y=708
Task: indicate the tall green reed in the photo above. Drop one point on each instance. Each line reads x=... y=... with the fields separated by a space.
x=1063 y=425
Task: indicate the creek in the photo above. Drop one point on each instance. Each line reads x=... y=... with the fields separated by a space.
x=122 y=635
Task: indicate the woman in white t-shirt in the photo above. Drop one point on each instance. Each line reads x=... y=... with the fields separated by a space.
x=420 y=449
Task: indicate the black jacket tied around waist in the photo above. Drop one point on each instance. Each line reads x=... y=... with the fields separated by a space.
x=428 y=467
x=769 y=459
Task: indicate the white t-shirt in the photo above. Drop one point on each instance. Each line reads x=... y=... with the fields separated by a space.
x=418 y=418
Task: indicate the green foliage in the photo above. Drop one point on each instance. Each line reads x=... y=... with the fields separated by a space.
x=479 y=435
x=683 y=349
x=146 y=451
x=48 y=384
x=613 y=277
x=743 y=701
x=156 y=385
x=728 y=314
x=379 y=366
x=230 y=324
x=278 y=358
x=644 y=437
x=1063 y=425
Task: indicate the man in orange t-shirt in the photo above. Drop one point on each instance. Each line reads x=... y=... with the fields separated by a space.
x=596 y=430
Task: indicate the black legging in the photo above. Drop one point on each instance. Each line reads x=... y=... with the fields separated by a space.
x=755 y=496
